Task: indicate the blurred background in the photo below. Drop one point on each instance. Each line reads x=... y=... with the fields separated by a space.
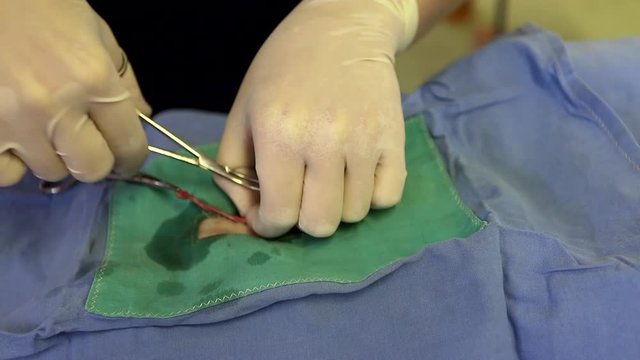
x=193 y=54
x=474 y=23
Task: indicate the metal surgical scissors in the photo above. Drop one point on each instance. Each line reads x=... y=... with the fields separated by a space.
x=199 y=159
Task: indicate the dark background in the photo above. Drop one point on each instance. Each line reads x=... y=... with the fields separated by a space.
x=191 y=54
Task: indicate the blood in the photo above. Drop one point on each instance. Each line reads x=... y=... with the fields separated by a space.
x=182 y=194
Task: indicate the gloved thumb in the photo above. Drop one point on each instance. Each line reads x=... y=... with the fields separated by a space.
x=236 y=151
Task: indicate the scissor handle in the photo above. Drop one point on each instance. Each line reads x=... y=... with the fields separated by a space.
x=57 y=187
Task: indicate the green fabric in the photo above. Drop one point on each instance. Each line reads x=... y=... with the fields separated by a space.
x=155 y=267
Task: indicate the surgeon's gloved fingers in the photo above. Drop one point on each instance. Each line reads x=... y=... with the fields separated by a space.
x=236 y=152
x=120 y=61
x=131 y=85
x=82 y=148
x=42 y=158
x=391 y=174
x=358 y=189
x=322 y=197
x=116 y=118
x=281 y=176
x=12 y=169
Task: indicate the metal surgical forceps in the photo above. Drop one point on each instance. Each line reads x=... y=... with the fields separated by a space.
x=198 y=159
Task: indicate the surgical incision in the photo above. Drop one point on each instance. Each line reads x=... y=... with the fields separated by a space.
x=213 y=226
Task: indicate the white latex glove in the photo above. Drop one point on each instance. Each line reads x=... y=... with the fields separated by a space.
x=63 y=106
x=319 y=117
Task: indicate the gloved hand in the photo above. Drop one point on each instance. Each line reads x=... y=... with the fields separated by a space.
x=63 y=106
x=319 y=117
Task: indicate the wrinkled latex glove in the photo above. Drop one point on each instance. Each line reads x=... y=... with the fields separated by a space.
x=319 y=117
x=63 y=106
